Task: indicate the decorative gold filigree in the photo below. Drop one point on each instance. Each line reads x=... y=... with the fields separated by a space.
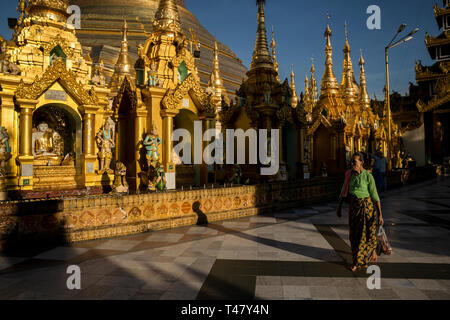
x=186 y=57
x=57 y=72
x=442 y=96
x=126 y=88
x=58 y=41
x=60 y=5
x=284 y=114
x=172 y=99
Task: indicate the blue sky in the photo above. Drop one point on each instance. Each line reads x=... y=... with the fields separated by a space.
x=299 y=27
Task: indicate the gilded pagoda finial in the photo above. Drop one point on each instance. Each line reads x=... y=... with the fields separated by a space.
x=22 y=10
x=307 y=96
x=313 y=89
x=274 y=55
x=348 y=87
x=167 y=17
x=329 y=83
x=294 y=99
x=216 y=82
x=364 y=95
x=123 y=66
x=261 y=56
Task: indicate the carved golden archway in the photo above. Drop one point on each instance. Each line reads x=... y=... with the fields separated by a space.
x=57 y=72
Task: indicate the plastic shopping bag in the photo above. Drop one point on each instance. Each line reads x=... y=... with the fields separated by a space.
x=383 y=245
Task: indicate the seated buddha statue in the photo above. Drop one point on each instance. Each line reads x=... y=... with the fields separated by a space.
x=47 y=144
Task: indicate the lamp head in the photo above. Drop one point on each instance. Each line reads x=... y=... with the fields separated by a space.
x=401 y=28
x=413 y=32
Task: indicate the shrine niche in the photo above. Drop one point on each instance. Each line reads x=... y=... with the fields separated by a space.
x=54 y=137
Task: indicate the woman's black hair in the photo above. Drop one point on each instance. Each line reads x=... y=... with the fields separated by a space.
x=360 y=155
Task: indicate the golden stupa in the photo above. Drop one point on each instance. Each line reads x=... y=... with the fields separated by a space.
x=101 y=30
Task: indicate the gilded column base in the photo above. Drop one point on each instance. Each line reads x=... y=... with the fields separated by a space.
x=26 y=171
x=92 y=177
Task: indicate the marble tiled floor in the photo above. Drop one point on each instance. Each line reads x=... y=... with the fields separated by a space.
x=295 y=254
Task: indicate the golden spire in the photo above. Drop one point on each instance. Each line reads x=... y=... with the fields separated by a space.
x=347 y=87
x=363 y=95
x=294 y=99
x=329 y=83
x=313 y=90
x=274 y=56
x=307 y=95
x=216 y=81
x=123 y=65
x=167 y=17
x=261 y=56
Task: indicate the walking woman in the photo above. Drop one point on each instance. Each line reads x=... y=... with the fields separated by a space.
x=360 y=189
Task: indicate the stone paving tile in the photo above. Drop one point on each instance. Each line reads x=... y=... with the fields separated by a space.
x=62 y=253
x=427 y=284
x=437 y=294
x=164 y=237
x=259 y=219
x=294 y=281
x=324 y=292
x=122 y=245
x=267 y=292
x=397 y=283
x=269 y=281
x=121 y=281
x=406 y=293
x=120 y=293
x=147 y=295
x=345 y=282
x=291 y=292
x=382 y=294
x=353 y=293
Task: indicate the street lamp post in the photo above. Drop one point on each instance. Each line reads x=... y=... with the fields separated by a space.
x=393 y=44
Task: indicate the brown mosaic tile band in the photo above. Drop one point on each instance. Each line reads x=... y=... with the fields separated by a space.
x=80 y=219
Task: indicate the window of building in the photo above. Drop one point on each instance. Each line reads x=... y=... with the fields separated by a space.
x=444 y=52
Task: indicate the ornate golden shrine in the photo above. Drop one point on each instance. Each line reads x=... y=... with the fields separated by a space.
x=167 y=84
x=341 y=121
x=49 y=106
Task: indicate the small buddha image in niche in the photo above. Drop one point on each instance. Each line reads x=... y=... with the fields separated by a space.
x=47 y=144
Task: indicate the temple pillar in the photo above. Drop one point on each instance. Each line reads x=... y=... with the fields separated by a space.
x=352 y=145
x=169 y=166
x=302 y=145
x=140 y=130
x=25 y=143
x=283 y=165
x=207 y=171
x=89 y=156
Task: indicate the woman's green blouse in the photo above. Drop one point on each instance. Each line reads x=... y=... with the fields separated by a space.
x=363 y=186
